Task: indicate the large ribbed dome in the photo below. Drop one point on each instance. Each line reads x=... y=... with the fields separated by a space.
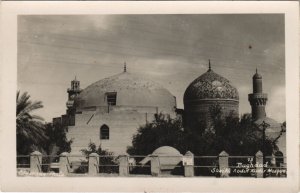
x=210 y=85
x=130 y=89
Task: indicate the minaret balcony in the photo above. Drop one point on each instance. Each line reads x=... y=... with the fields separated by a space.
x=257 y=96
x=74 y=90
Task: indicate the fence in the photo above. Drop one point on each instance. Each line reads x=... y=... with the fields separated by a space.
x=186 y=165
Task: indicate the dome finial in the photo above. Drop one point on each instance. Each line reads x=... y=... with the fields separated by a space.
x=256 y=70
x=125 y=67
x=209 y=65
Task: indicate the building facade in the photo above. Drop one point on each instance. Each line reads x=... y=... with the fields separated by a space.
x=109 y=111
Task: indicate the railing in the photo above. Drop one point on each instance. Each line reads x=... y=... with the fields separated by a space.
x=23 y=161
x=205 y=165
x=186 y=165
x=135 y=166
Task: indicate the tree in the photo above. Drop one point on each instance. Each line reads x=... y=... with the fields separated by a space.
x=224 y=133
x=57 y=140
x=160 y=132
x=107 y=160
x=30 y=128
x=236 y=136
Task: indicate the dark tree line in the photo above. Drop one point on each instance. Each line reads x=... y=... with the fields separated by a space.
x=236 y=136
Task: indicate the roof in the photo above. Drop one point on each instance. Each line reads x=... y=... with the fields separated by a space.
x=256 y=75
x=210 y=85
x=131 y=90
x=166 y=150
x=161 y=152
x=274 y=126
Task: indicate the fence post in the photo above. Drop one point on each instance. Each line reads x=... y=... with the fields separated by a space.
x=63 y=163
x=273 y=160
x=188 y=163
x=223 y=164
x=123 y=165
x=35 y=162
x=259 y=165
x=155 y=165
x=93 y=164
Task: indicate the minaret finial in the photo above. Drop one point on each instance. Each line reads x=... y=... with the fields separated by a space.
x=209 y=65
x=125 y=67
x=75 y=77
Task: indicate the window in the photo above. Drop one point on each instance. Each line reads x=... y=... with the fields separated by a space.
x=104 y=132
x=111 y=98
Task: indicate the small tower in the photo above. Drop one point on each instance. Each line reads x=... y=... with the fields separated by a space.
x=258 y=99
x=73 y=92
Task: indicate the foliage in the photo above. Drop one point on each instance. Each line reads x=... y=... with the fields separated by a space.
x=231 y=134
x=56 y=144
x=34 y=135
x=162 y=131
x=282 y=131
x=108 y=164
x=30 y=129
x=224 y=133
x=58 y=141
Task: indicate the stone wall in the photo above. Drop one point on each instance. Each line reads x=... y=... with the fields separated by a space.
x=122 y=122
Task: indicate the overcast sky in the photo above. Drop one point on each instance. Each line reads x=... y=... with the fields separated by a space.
x=172 y=50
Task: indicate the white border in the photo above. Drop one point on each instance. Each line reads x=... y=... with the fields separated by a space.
x=9 y=180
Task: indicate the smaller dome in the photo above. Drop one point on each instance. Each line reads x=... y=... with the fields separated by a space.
x=166 y=150
x=257 y=76
x=274 y=125
x=169 y=157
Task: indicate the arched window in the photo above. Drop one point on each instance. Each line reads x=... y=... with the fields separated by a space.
x=104 y=132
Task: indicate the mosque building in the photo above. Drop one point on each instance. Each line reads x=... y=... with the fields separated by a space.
x=109 y=111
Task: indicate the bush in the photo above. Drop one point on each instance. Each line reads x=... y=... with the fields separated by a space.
x=108 y=162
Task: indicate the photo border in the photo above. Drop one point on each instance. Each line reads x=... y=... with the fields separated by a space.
x=8 y=75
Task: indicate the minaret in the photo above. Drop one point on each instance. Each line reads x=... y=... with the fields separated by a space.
x=73 y=92
x=258 y=99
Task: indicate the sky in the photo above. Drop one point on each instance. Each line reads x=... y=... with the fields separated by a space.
x=172 y=50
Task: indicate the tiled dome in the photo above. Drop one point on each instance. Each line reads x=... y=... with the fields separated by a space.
x=210 y=85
